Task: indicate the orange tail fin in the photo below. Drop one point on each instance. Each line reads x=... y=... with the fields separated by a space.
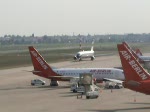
x=41 y=67
x=132 y=69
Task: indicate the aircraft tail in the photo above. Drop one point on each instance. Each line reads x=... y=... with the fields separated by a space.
x=131 y=50
x=132 y=69
x=41 y=68
x=138 y=52
x=92 y=48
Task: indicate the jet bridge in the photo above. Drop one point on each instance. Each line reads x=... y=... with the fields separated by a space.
x=86 y=80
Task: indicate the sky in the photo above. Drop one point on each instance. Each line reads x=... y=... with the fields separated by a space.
x=57 y=17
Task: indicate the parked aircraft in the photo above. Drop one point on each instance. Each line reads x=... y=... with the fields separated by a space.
x=145 y=60
x=136 y=78
x=41 y=68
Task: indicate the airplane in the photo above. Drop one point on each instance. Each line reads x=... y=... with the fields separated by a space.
x=41 y=68
x=84 y=54
x=136 y=77
x=138 y=52
x=144 y=60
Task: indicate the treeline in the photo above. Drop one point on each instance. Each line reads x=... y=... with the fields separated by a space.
x=16 y=39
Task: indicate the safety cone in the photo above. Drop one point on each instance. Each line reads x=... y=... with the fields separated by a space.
x=100 y=90
x=134 y=99
x=111 y=90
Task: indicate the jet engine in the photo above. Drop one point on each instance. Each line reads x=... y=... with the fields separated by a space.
x=92 y=58
x=75 y=58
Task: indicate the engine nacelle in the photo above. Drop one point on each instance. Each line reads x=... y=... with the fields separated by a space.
x=75 y=58
x=92 y=58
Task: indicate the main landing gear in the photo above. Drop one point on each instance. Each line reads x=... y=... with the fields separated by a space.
x=54 y=82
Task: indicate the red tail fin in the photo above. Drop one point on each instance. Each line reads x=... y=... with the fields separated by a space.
x=138 y=52
x=132 y=69
x=127 y=45
x=40 y=65
x=131 y=50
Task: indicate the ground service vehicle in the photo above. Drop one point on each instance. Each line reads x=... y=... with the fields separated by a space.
x=94 y=93
x=37 y=82
x=76 y=88
x=113 y=85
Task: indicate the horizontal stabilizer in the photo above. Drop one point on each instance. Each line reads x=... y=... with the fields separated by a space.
x=33 y=71
x=133 y=83
x=113 y=80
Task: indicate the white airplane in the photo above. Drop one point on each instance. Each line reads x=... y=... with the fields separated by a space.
x=141 y=57
x=145 y=60
x=85 y=54
x=41 y=68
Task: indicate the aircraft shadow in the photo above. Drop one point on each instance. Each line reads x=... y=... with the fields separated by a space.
x=34 y=87
x=69 y=94
x=52 y=88
x=143 y=103
x=14 y=88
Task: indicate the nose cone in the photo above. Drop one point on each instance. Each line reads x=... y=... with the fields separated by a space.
x=78 y=55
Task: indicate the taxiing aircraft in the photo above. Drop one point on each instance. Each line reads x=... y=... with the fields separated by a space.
x=145 y=60
x=136 y=78
x=41 y=68
x=85 y=54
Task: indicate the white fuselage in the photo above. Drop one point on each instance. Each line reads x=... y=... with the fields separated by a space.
x=145 y=61
x=84 y=54
x=98 y=73
x=145 y=58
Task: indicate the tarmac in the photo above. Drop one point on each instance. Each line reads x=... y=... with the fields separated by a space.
x=17 y=95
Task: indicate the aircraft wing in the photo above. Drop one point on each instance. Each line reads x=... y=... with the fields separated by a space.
x=113 y=80
x=64 y=77
x=33 y=71
x=118 y=68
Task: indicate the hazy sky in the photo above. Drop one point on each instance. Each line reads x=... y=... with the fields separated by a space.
x=51 y=17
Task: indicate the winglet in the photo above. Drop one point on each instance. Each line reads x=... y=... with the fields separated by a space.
x=132 y=69
x=40 y=64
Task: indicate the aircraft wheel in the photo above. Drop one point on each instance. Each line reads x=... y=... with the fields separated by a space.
x=92 y=58
x=87 y=97
x=74 y=91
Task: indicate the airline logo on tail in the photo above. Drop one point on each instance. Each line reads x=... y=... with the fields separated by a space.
x=39 y=60
x=133 y=64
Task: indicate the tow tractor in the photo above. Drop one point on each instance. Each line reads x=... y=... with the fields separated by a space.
x=94 y=93
x=113 y=85
x=76 y=88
